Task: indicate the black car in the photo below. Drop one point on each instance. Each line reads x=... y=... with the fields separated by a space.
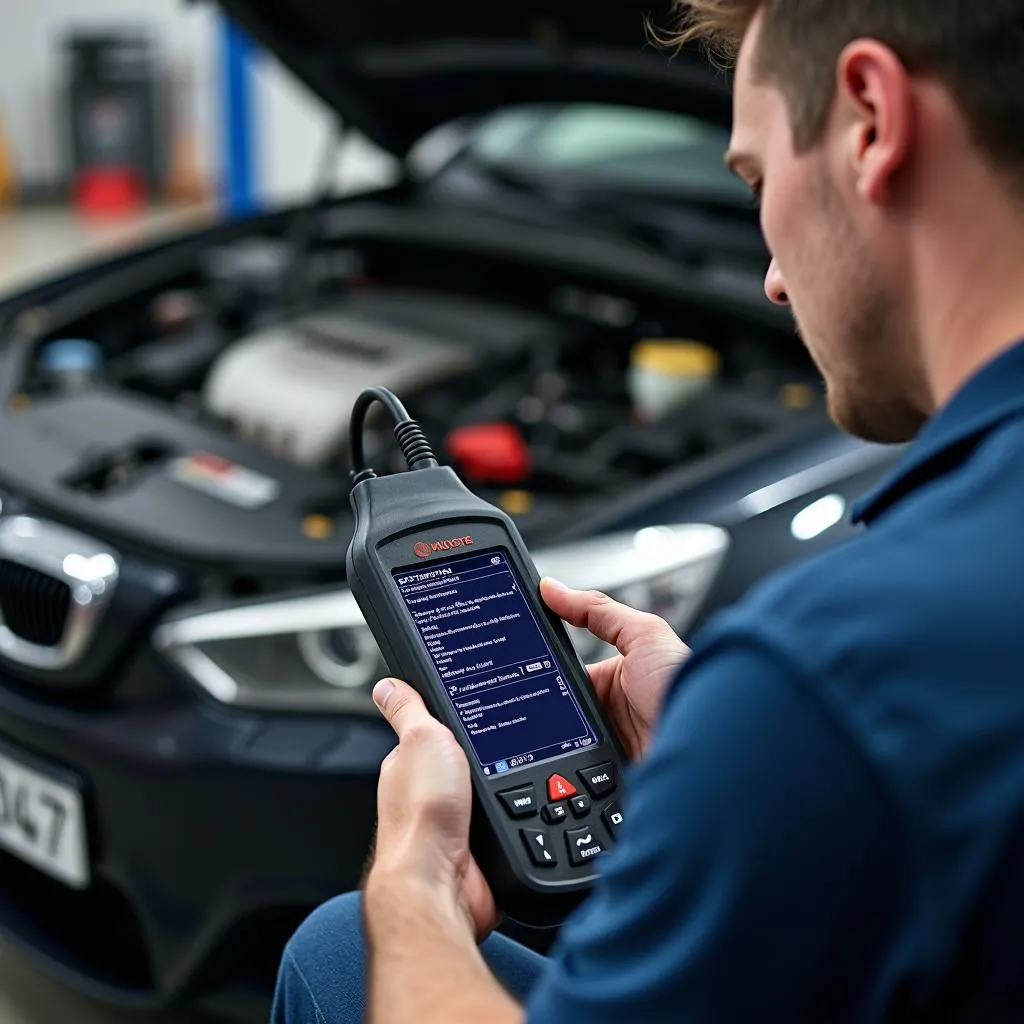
x=188 y=750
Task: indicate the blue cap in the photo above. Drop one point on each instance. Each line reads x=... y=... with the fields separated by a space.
x=71 y=355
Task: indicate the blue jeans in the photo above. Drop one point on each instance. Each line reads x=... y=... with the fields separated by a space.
x=322 y=979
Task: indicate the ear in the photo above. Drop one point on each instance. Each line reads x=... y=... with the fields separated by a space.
x=873 y=89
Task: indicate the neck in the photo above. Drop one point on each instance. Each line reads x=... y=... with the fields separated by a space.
x=970 y=288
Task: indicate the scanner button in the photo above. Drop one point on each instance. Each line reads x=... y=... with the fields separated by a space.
x=599 y=779
x=538 y=845
x=559 y=788
x=580 y=805
x=521 y=802
x=613 y=818
x=554 y=813
x=583 y=844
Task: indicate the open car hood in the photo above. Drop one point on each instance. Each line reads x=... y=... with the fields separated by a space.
x=395 y=69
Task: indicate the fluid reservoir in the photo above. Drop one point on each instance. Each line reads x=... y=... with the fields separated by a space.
x=665 y=374
x=71 y=364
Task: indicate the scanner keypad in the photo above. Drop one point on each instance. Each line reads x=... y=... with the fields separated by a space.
x=594 y=819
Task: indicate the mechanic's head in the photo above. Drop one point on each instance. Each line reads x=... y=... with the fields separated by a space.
x=885 y=138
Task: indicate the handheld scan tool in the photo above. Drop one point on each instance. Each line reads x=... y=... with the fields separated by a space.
x=451 y=595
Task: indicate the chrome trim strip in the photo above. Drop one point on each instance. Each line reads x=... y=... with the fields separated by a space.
x=336 y=610
x=807 y=480
x=210 y=676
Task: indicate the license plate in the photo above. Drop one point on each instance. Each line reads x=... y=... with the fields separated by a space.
x=42 y=821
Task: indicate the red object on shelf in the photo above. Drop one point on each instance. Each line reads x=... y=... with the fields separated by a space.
x=491 y=453
x=109 y=190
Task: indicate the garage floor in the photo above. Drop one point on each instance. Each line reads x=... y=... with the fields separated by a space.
x=37 y=242
x=33 y=244
x=27 y=998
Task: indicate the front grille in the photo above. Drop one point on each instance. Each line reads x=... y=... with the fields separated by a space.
x=33 y=604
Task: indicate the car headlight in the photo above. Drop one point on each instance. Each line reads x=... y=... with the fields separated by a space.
x=667 y=570
x=314 y=653
x=309 y=653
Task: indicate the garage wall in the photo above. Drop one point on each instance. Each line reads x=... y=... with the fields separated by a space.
x=292 y=128
x=31 y=86
x=292 y=124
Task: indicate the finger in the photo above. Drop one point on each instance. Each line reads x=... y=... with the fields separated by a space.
x=614 y=623
x=401 y=705
x=602 y=672
x=565 y=602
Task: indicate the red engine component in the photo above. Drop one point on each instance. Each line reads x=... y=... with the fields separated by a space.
x=494 y=453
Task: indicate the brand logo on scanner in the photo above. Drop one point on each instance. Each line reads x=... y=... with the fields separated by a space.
x=421 y=549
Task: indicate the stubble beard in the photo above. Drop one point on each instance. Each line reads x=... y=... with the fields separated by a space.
x=866 y=343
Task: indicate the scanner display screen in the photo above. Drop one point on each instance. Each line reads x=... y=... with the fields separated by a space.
x=493 y=659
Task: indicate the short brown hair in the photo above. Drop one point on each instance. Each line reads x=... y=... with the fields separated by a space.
x=976 y=48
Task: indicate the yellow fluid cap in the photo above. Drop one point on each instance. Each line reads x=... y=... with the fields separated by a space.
x=676 y=356
x=317 y=527
x=516 y=503
x=796 y=396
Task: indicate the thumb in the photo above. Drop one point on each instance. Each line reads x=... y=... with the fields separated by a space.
x=400 y=704
x=614 y=623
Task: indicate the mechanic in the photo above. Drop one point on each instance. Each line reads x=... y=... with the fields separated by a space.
x=826 y=811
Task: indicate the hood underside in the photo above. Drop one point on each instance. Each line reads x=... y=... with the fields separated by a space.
x=395 y=70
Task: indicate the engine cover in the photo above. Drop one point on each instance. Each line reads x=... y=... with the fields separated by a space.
x=290 y=387
x=130 y=470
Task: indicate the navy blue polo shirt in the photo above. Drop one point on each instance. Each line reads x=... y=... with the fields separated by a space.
x=829 y=825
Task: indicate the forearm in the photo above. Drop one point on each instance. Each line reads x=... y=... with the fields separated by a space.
x=424 y=965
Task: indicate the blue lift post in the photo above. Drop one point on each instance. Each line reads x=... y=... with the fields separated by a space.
x=239 y=184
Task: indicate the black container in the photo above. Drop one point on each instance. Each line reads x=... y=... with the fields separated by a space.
x=114 y=107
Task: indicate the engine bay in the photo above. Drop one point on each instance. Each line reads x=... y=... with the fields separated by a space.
x=208 y=416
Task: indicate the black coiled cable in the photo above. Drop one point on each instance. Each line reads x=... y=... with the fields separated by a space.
x=413 y=442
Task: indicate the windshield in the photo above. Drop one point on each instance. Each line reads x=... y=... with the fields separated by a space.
x=639 y=151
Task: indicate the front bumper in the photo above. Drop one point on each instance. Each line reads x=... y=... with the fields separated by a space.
x=212 y=833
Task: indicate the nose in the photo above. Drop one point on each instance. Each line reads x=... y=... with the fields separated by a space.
x=775 y=286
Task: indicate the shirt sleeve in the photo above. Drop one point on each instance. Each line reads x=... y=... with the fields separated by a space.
x=762 y=872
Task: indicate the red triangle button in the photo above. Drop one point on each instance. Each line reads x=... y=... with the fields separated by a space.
x=560 y=788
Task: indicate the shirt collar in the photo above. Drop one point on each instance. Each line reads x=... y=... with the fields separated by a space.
x=993 y=394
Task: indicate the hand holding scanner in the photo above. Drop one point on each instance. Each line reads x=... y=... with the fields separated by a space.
x=451 y=595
